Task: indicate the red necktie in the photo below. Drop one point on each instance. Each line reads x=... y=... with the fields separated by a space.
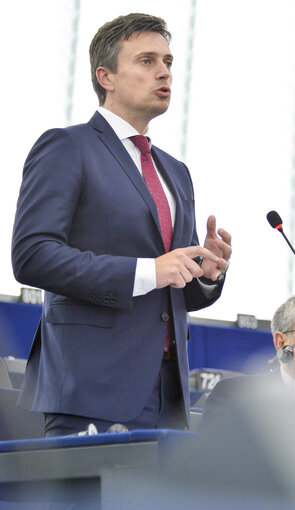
x=155 y=187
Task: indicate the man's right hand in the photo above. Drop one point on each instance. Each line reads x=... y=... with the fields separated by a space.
x=177 y=267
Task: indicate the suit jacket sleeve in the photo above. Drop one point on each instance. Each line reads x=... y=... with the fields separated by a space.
x=42 y=254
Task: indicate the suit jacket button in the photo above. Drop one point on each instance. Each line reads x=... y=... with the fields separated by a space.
x=114 y=300
x=106 y=299
x=95 y=298
x=165 y=317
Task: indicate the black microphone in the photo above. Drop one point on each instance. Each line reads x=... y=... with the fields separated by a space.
x=276 y=222
x=284 y=355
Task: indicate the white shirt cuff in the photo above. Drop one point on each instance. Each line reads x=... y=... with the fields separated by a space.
x=145 y=277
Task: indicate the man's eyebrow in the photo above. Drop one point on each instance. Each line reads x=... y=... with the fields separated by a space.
x=153 y=54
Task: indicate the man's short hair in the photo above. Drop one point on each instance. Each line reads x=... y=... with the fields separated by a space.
x=284 y=318
x=105 y=45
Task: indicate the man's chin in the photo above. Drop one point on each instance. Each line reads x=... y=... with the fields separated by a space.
x=159 y=109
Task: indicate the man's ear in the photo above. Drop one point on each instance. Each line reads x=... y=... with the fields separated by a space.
x=103 y=75
x=280 y=340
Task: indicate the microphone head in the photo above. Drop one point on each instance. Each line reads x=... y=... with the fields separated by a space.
x=274 y=219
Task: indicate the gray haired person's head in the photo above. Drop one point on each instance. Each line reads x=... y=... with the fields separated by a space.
x=284 y=318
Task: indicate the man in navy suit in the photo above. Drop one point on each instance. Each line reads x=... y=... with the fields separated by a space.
x=87 y=231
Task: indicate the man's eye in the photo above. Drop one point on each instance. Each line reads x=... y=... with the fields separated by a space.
x=145 y=61
x=169 y=64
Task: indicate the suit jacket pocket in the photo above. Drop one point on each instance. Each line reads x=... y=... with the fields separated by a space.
x=86 y=315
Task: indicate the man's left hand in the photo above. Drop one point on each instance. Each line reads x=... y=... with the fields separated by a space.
x=218 y=242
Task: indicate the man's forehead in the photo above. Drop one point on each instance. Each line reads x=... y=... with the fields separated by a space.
x=145 y=41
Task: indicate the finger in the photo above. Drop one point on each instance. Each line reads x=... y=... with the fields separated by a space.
x=225 y=236
x=225 y=248
x=211 y=225
x=213 y=271
x=178 y=282
x=209 y=255
x=194 y=269
x=214 y=276
x=223 y=265
x=186 y=274
x=198 y=251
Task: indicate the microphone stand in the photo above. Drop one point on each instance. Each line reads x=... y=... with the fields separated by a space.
x=286 y=239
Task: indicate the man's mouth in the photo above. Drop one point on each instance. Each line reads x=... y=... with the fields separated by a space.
x=163 y=92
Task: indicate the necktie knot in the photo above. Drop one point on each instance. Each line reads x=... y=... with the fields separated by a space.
x=142 y=143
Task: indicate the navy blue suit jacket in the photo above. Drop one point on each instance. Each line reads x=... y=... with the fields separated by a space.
x=84 y=216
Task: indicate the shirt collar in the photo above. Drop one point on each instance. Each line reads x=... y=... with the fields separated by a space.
x=121 y=127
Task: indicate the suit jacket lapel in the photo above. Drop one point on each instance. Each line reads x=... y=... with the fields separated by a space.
x=115 y=146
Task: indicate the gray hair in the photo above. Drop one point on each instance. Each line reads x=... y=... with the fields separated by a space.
x=284 y=317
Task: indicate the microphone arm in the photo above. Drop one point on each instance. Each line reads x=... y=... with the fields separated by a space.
x=287 y=240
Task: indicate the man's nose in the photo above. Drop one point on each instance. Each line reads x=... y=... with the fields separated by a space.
x=163 y=71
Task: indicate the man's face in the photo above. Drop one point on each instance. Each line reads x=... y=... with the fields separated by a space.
x=140 y=88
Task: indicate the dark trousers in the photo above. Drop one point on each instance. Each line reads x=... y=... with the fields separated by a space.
x=164 y=409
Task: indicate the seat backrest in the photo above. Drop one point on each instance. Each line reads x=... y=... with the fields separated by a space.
x=16 y=422
x=16 y=368
x=17 y=365
x=5 y=381
x=195 y=417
